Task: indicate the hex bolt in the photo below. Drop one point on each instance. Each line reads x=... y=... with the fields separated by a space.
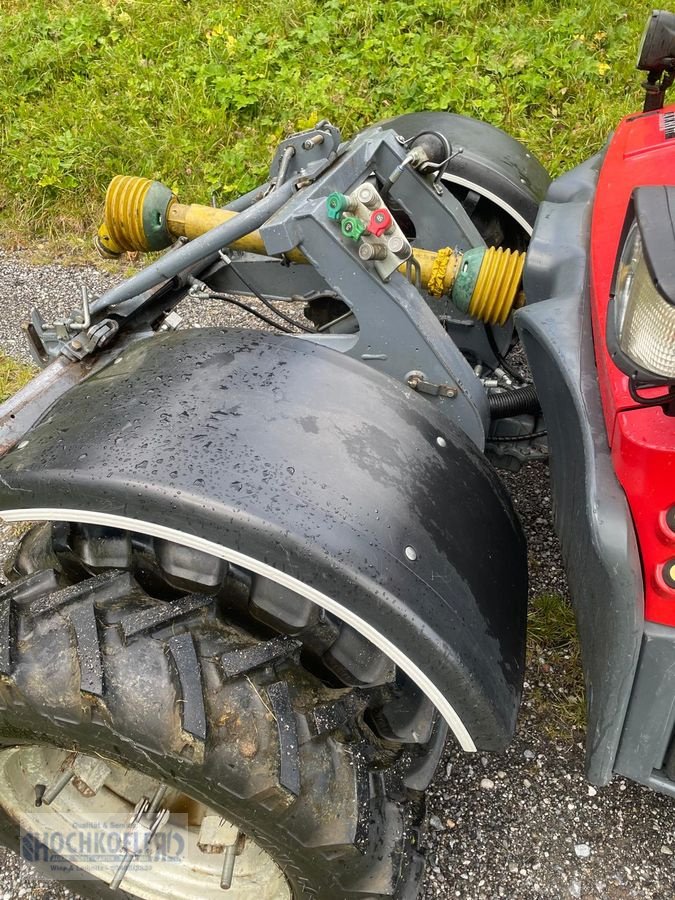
x=413 y=379
x=445 y=390
x=312 y=142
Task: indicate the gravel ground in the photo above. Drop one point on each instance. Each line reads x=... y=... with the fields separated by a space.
x=524 y=825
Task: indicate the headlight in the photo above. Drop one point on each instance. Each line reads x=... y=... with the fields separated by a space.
x=657 y=47
x=641 y=325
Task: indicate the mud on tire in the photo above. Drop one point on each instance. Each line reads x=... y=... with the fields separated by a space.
x=105 y=650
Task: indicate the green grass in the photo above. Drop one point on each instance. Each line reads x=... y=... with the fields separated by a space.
x=198 y=93
x=13 y=375
x=554 y=667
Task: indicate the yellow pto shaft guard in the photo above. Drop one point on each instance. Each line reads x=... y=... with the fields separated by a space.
x=143 y=215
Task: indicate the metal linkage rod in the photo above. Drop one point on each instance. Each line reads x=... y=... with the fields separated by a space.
x=172 y=264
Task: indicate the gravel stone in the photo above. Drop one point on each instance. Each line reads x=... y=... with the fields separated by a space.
x=497 y=838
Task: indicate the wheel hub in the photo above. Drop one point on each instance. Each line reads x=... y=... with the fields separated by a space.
x=129 y=830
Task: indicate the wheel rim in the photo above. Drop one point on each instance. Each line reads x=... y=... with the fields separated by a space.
x=91 y=800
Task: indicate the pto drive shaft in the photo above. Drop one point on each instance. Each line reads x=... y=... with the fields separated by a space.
x=144 y=215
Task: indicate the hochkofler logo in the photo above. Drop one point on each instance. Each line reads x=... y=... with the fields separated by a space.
x=101 y=845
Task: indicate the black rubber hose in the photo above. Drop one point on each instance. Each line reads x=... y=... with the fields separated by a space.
x=171 y=264
x=226 y=298
x=514 y=402
x=270 y=306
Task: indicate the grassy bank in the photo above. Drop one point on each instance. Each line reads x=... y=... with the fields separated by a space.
x=13 y=375
x=198 y=93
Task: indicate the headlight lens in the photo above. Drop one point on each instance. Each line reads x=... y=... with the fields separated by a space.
x=644 y=320
x=657 y=46
x=643 y=40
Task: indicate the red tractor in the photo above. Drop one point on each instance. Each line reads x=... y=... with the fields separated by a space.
x=602 y=352
x=265 y=572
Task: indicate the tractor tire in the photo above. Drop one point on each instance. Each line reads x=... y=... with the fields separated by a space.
x=118 y=665
x=495 y=177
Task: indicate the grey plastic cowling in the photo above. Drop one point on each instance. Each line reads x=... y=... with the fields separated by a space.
x=592 y=517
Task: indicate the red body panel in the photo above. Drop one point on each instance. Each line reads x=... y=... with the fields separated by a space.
x=642 y=439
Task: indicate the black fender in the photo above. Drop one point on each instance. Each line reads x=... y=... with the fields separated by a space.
x=315 y=472
x=491 y=163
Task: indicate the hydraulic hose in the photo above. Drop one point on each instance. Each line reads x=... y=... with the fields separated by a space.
x=514 y=402
x=196 y=250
